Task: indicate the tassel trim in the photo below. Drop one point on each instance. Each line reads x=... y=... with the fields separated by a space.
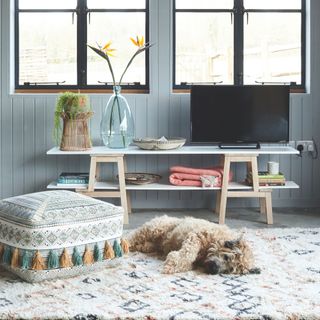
x=76 y=257
x=108 y=251
x=88 y=257
x=65 y=259
x=125 y=246
x=117 y=249
x=15 y=258
x=38 y=262
x=1 y=251
x=29 y=259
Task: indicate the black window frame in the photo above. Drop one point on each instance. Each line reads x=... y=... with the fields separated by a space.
x=82 y=12
x=238 y=13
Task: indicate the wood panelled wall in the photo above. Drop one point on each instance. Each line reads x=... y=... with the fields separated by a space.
x=27 y=122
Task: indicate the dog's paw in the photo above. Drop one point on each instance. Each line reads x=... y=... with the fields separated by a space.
x=171 y=265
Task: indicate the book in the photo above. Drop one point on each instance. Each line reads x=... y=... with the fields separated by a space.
x=271 y=180
x=75 y=178
x=72 y=185
x=266 y=175
x=272 y=184
x=267 y=184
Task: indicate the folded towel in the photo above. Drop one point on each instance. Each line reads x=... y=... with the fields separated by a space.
x=205 y=171
x=186 y=176
x=184 y=179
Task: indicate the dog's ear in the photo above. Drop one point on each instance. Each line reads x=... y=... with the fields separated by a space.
x=231 y=244
x=255 y=271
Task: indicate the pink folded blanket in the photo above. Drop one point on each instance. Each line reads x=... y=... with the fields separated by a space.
x=186 y=176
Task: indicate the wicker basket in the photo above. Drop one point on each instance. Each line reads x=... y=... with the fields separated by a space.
x=75 y=135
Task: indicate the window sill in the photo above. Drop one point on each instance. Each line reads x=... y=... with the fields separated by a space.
x=292 y=90
x=89 y=91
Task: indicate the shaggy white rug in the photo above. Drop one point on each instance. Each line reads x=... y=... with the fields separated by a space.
x=287 y=288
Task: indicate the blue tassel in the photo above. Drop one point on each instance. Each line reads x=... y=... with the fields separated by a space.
x=76 y=257
x=7 y=255
x=96 y=253
x=117 y=249
x=26 y=260
x=53 y=260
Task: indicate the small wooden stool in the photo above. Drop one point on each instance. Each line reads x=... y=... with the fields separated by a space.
x=95 y=175
x=264 y=195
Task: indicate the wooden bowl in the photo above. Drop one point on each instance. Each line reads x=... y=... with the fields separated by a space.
x=141 y=178
x=156 y=144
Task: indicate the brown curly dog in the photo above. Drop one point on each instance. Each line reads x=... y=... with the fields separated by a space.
x=193 y=242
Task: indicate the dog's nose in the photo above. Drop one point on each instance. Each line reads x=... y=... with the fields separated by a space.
x=213 y=267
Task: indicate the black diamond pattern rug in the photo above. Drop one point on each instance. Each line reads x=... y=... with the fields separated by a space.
x=287 y=288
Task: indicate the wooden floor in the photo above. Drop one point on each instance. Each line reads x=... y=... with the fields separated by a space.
x=238 y=217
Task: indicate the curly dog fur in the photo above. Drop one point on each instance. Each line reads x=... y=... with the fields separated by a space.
x=190 y=242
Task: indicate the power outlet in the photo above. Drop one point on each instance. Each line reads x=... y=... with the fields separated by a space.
x=305 y=145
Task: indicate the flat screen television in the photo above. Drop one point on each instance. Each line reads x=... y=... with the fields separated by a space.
x=239 y=114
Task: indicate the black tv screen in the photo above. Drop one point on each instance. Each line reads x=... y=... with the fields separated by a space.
x=233 y=114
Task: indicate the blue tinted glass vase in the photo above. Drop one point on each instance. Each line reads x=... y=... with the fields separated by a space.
x=117 y=126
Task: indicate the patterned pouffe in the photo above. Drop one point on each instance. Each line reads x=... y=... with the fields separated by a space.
x=52 y=234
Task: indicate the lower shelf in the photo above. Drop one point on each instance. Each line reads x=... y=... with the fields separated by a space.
x=165 y=186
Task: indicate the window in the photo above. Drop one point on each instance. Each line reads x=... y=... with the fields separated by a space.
x=239 y=42
x=51 y=40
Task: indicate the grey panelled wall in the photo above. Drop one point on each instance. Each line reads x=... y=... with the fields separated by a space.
x=26 y=126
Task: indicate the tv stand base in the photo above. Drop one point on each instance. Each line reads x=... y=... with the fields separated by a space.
x=264 y=195
x=240 y=145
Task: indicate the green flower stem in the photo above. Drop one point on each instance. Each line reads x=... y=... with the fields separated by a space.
x=111 y=115
x=140 y=50
x=120 y=120
x=106 y=57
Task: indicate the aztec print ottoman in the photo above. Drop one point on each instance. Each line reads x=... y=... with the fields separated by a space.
x=54 y=234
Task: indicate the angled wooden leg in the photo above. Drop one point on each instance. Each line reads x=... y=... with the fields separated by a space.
x=254 y=170
x=127 y=192
x=217 y=209
x=262 y=202
x=224 y=190
x=122 y=186
x=92 y=174
x=269 y=208
x=98 y=171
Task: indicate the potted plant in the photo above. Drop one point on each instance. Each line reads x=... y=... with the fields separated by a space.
x=74 y=110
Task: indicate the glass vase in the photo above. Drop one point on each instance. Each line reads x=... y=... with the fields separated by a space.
x=117 y=126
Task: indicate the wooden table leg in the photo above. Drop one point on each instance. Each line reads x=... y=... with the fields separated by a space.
x=218 y=199
x=224 y=190
x=127 y=192
x=262 y=202
x=269 y=208
x=122 y=186
x=92 y=174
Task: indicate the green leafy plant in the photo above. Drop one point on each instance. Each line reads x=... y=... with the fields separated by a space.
x=70 y=105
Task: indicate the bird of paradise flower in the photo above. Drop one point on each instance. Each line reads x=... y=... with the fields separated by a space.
x=106 y=52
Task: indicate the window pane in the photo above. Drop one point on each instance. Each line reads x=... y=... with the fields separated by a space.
x=117 y=27
x=204 y=4
x=272 y=48
x=119 y=4
x=45 y=4
x=44 y=54
x=204 y=53
x=272 y=4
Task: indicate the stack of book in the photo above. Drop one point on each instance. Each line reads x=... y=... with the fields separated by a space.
x=266 y=179
x=73 y=179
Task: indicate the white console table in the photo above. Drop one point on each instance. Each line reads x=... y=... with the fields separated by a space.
x=228 y=189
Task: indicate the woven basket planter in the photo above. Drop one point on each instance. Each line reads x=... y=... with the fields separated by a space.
x=75 y=135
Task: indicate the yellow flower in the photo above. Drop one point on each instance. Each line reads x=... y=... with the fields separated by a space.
x=107 y=50
x=139 y=42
